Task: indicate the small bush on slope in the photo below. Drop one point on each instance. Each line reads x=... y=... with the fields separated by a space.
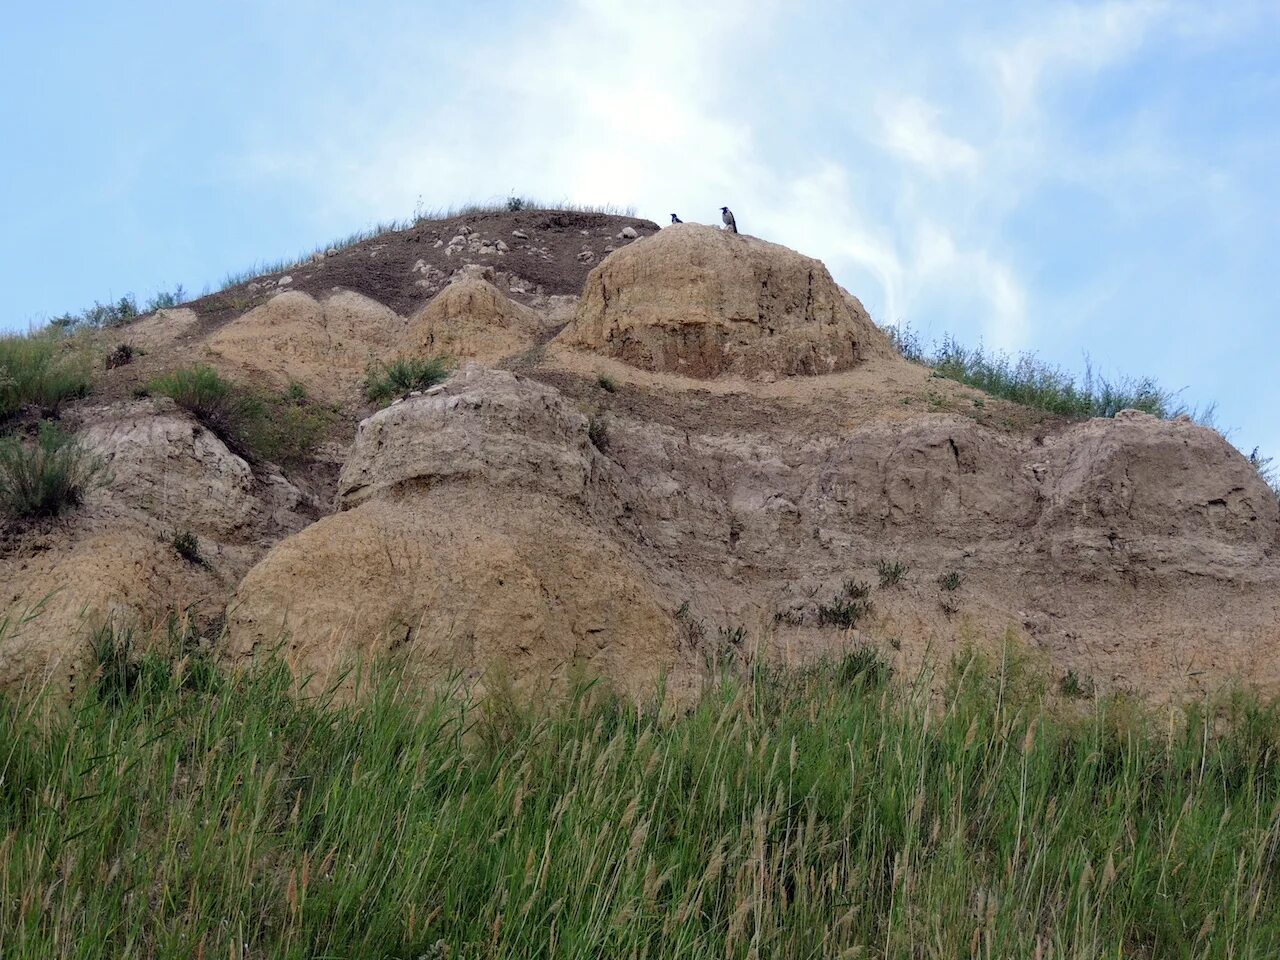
x=39 y=370
x=790 y=814
x=386 y=381
x=44 y=477
x=284 y=429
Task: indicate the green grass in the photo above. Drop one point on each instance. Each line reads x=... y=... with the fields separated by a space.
x=1028 y=380
x=172 y=811
x=40 y=370
x=119 y=312
x=284 y=429
x=387 y=381
x=47 y=475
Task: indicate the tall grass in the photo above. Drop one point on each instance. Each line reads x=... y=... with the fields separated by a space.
x=386 y=381
x=282 y=428
x=1030 y=381
x=172 y=811
x=39 y=370
x=45 y=476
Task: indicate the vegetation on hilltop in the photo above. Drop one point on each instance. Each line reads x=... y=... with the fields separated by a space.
x=176 y=811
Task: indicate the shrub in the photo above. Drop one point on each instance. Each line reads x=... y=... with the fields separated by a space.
x=40 y=371
x=386 y=381
x=950 y=581
x=607 y=383
x=44 y=477
x=891 y=572
x=847 y=607
x=122 y=355
x=188 y=547
x=256 y=425
x=167 y=299
x=212 y=400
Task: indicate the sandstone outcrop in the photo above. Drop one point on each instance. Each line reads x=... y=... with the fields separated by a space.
x=705 y=303
x=326 y=345
x=471 y=318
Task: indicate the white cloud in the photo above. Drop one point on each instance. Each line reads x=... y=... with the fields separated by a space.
x=1076 y=38
x=909 y=129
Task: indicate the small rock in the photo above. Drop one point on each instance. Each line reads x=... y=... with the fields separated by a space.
x=585 y=233
x=459 y=241
x=331 y=251
x=502 y=247
x=439 y=243
x=284 y=281
x=519 y=234
x=464 y=230
x=628 y=233
x=317 y=256
x=586 y=256
x=608 y=249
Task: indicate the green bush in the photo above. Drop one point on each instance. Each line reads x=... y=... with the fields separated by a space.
x=207 y=396
x=41 y=371
x=386 y=381
x=44 y=477
x=284 y=429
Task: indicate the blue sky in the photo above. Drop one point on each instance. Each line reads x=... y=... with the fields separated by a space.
x=1094 y=178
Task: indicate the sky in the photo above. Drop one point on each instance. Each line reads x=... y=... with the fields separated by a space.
x=1093 y=180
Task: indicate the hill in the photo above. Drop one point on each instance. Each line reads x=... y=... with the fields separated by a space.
x=659 y=452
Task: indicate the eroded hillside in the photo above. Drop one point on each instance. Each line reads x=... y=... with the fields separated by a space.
x=660 y=451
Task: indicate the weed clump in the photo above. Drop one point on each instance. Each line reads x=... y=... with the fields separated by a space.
x=891 y=572
x=46 y=476
x=281 y=429
x=847 y=607
x=39 y=370
x=387 y=381
x=187 y=546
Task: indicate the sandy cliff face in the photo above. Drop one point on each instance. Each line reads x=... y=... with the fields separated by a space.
x=704 y=302
x=718 y=442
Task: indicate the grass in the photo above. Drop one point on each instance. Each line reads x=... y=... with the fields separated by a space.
x=187 y=545
x=891 y=572
x=387 y=381
x=950 y=581
x=45 y=476
x=283 y=429
x=1030 y=381
x=39 y=370
x=174 y=811
x=847 y=607
x=607 y=383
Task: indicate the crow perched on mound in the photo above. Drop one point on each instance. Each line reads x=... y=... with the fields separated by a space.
x=727 y=216
x=675 y=219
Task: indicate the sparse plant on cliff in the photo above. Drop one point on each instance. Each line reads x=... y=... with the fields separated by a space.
x=45 y=476
x=950 y=581
x=187 y=546
x=891 y=572
x=607 y=383
x=387 y=381
x=255 y=424
x=598 y=433
x=39 y=370
x=847 y=607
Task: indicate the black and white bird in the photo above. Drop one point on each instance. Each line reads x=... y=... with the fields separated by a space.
x=675 y=219
x=727 y=216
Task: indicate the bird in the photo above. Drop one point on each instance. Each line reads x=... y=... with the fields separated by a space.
x=675 y=219
x=727 y=216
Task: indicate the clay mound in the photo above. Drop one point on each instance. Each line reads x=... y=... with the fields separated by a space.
x=471 y=318
x=326 y=345
x=485 y=424
x=54 y=600
x=705 y=303
x=466 y=579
